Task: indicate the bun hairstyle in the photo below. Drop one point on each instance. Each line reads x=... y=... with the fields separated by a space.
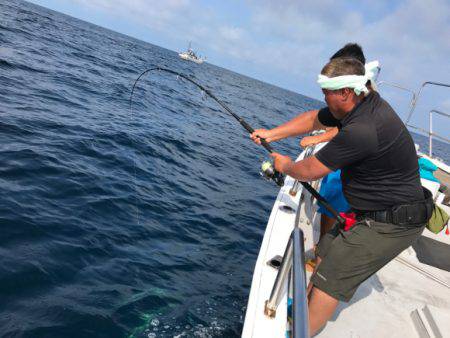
x=351 y=50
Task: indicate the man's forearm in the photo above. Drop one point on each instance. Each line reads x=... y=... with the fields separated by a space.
x=301 y=124
x=306 y=170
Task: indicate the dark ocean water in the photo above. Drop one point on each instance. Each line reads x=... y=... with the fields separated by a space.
x=119 y=225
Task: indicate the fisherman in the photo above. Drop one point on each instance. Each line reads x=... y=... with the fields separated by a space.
x=331 y=187
x=380 y=178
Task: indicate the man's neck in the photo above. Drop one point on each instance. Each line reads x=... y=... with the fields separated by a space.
x=349 y=106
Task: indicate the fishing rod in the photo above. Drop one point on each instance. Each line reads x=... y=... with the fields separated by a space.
x=268 y=170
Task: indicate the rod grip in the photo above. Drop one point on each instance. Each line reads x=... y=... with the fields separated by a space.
x=264 y=143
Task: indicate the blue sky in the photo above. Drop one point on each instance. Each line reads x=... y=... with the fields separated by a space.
x=287 y=42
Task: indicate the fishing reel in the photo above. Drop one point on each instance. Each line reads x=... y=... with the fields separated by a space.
x=269 y=173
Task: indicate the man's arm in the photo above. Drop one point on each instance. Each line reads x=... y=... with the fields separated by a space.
x=305 y=170
x=301 y=124
x=316 y=139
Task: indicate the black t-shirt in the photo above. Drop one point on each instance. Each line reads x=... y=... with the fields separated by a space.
x=376 y=155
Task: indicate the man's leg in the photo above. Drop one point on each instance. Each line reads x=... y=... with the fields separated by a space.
x=321 y=307
x=326 y=223
x=310 y=285
x=353 y=257
x=322 y=248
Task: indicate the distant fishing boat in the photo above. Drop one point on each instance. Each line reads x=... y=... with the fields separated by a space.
x=409 y=297
x=190 y=55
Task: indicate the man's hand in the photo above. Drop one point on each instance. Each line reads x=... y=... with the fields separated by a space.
x=316 y=139
x=281 y=162
x=309 y=141
x=260 y=133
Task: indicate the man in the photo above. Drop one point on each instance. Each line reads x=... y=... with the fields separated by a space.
x=380 y=179
x=330 y=188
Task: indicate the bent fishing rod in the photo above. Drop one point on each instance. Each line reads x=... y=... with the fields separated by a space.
x=274 y=175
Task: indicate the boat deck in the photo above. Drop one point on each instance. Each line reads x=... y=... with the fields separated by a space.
x=383 y=305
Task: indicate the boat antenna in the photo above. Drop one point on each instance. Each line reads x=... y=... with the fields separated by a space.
x=279 y=178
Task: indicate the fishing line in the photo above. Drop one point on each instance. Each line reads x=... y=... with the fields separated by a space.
x=274 y=175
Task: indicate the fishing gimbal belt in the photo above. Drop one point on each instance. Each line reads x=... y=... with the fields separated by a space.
x=404 y=214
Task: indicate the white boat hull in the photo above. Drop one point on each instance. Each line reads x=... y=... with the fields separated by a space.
x=189 y=58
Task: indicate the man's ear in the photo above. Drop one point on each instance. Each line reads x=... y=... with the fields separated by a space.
x=345 y=93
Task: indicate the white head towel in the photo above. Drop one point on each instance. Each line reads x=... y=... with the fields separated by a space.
x=357 y=82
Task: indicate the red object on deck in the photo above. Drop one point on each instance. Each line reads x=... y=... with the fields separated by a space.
x=350 y=219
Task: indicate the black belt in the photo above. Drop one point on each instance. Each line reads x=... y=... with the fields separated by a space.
x=403 y=214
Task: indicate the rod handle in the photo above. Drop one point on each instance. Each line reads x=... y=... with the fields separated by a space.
x=264 y=143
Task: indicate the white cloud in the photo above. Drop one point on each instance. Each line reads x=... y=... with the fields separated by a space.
x=158 y=15
x=295 y=38
x=407 y=38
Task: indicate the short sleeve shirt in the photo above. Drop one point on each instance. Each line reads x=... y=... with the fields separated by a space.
x=376 y=155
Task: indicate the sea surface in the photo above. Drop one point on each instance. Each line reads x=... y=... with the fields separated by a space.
x=126 y=224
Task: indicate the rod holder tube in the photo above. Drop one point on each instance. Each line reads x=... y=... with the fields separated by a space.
x=278 y=287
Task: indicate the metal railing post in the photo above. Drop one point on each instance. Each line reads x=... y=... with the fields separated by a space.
x=430 y=137
x=299 y=302
x=270 y=309
x=430 y=132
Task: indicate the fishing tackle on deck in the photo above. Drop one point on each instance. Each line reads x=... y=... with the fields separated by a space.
x=268 y=170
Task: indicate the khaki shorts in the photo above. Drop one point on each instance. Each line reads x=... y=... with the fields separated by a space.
x=351 y=257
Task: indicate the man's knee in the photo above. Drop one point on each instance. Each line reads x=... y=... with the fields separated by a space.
x=321 y=308
x=322 y=299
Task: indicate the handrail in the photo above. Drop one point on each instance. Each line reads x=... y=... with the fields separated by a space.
x=276 y=294
x=299 y=303
x=416 y=97
x=413 y=103
x=430 y=134
x=293 y=258
x=400 y=87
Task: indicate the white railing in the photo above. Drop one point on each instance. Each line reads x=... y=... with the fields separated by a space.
x=413 y=104
x=430 y=132
x=293 y=262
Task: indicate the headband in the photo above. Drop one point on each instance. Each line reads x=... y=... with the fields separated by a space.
x=356 y=82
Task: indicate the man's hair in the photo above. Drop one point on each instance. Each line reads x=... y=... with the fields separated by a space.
x=350 y=50
x=343 y=66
